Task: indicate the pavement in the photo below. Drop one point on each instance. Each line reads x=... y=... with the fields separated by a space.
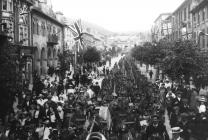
x=145 y=71
x=167 y=124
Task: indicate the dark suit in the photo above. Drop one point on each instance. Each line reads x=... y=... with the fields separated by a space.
x=160 y=129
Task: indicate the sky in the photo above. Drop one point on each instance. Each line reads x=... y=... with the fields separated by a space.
x=117 y=15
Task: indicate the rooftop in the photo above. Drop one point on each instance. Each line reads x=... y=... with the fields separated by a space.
x=39 y=11
x=163 y=14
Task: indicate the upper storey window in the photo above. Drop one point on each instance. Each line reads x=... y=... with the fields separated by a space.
x=7 y=5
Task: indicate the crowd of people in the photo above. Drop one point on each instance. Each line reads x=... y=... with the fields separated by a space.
x=54 y=109
x=78 y=105
x=186 y=108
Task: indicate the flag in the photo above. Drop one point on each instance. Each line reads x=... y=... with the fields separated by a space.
x=76 y=30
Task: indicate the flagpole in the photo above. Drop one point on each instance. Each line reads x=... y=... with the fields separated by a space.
x=75 y=54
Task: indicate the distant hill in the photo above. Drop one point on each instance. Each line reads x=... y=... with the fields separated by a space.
x=91 y=26
x=97 y=28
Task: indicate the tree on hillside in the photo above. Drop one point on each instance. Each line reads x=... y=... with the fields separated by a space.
x=91 y=55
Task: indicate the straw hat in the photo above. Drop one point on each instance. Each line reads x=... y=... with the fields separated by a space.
x=131 y=104
x=176 y=130
x=114 y=94
x=202 y=99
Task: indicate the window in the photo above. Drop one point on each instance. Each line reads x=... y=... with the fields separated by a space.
x=194 y=35
x=194 y=17
x=49 y=29
x=34 y=26
x=189 y=24
x=184 y=14
x=4 y=4
x=25 y=32
x=203 y=39
x=207 y=39
x=189 y=11
x=181 y=13
x=203 y=14
x=207 y=12
x=21 y=33
x=59 y=33
x=10 y=5
x=54 y=30
x=43 y=29
x=198 y=17
x=38 y=28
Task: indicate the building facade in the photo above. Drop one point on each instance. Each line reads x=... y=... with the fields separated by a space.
x=199 y=12
x=182 y=22
x=47 y=37
x=161 y=27
x=16 y=24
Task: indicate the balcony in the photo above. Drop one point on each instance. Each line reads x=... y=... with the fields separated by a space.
x=30 y=2
x=52 y=39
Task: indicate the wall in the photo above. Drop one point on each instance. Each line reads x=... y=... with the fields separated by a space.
x=45 y=55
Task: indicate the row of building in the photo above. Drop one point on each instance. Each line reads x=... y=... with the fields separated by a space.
x=39 y=34
x=188 y=21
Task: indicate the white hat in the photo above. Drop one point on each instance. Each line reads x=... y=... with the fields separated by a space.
x=114 y=94
x=131 y=104
x=202 y=99
x=176 y=130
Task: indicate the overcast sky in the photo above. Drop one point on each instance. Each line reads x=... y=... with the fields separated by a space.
x=117 y=15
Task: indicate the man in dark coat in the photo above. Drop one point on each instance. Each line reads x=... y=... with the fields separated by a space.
x=96 y=88
x=174 y=116
x=76 y=78
x=185 y=126
x=150 y=74
x=156 y=129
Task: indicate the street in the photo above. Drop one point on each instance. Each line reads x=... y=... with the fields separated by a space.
x=103 y=70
